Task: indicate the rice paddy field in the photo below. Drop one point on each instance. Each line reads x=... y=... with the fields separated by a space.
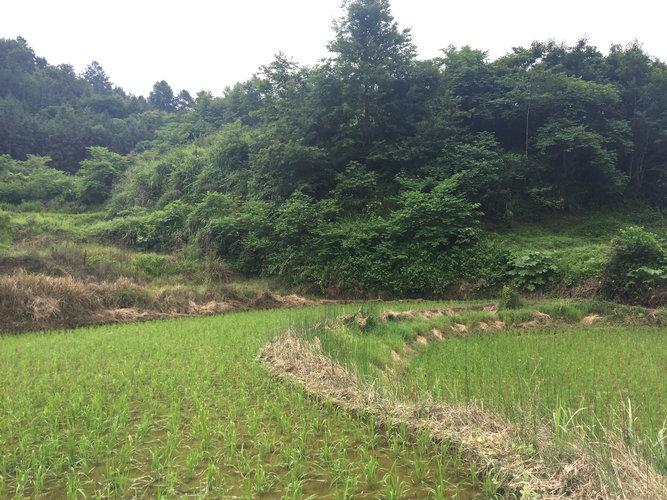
x=597 y=379
x=182 y=407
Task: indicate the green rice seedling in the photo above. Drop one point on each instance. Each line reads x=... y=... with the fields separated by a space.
x=393 y=487
x=22 y=482
x=212 y=474
x=192 y=460
x=38 y=480
x=371 y=466
x=490 y=487
x=339 y=469
x=294 y=489
x=439 y=492
x=348 y=488
x=231 y=439
x=262 y=480
x=159 y=408
x=396 y=445
x=73 y=488
x=421 y=469
x=171 y=483
x=327 y=452
x=424 y=442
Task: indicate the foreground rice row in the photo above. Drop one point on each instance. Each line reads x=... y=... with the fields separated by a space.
x=181 y=407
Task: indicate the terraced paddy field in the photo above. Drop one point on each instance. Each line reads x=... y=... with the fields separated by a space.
x=190 y=407
x=561 y=378
x=182 y=407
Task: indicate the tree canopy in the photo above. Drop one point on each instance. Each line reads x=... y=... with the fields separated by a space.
x=372 y=158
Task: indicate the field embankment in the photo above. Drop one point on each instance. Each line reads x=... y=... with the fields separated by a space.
x=426 y=370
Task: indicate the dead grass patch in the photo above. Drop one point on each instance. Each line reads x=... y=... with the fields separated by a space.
x=434 y=313
x=421 y=340
x=36 y=301
x=590 y=319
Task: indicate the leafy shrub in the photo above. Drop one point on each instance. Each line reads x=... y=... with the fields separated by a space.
x=510 y=298
x=426 y=245
x=163 y=229
x=637 y=266
x=533 y=270
x=33 y=180
x=212 y=206
x=98 y=173
x=243 y=236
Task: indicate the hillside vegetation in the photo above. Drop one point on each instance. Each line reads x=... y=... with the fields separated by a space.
x=372 y=173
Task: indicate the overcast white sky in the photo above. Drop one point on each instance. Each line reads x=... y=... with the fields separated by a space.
x=199 y=44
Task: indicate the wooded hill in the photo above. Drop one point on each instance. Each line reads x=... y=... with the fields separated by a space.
x=371 y=171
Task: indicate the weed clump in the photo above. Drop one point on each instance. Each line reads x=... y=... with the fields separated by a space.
x=510 y=298
x=637 y=267
x=533 y=271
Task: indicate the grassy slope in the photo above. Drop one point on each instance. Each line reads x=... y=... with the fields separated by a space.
x=610 y=376
x=56 y=244
x=182 y=407
x=579 y=243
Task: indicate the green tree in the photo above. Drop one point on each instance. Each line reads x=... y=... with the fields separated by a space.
x=162 y=97
x=98 y=173
x=183 y=101
x=373 y=59
x=97 y=77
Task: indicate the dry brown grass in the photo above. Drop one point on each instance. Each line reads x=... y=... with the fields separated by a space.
x=36 y=301
x=540 y=469
x=434 y=313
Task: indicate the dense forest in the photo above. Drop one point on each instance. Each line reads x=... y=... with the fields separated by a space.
x=371 y=171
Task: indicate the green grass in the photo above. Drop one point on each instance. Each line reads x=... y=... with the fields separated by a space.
x=613 y=376
x=578 y=243
x=74 y=226
x=182 y=407
x=608 y=377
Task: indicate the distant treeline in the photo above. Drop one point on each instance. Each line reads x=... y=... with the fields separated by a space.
x=368 y=170
x=51 y=111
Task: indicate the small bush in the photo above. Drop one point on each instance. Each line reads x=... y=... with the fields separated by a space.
x=533 y=271
x=152 y=265
x=637 y=266
x=510 y=298
x=163 y=229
